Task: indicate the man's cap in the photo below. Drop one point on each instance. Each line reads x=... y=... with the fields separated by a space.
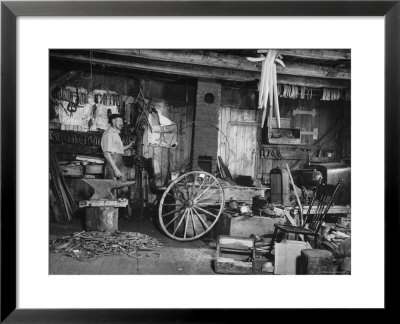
x=113 y=116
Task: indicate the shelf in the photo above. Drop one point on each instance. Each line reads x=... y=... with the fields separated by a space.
x=292 y=146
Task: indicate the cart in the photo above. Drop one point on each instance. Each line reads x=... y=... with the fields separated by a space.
x=192 y=204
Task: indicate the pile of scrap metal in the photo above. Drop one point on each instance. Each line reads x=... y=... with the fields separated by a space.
x=87 y=246
x=262 y=206
x=234 y=208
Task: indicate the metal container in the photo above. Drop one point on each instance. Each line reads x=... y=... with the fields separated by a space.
x=309 y=177
x=331 y=173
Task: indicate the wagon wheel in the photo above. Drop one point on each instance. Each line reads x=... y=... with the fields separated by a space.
x=191 y=206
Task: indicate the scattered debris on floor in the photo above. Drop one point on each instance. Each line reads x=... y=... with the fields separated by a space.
x=87 y=246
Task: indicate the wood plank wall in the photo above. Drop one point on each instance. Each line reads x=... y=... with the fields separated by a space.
x=178 y=100
x=172 y=159
x=243 y=157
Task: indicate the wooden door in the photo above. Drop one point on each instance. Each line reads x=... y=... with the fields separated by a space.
x=239 y=148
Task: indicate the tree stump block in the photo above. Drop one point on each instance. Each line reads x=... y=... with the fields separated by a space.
x=102 y=219
x=316 y=262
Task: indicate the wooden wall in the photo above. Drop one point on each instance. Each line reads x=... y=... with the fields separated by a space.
x=242 y=128
x=172 y=159
x=238 y=120
x=176 y=99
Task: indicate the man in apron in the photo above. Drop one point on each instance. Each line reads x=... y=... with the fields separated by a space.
x=113 y=150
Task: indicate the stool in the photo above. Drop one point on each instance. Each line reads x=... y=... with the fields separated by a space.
x=102 y=214
x=316 y=262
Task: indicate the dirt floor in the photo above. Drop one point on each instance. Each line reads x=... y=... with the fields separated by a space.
x=173 y=258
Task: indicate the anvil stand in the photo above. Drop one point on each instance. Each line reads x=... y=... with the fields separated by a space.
x=101 y=210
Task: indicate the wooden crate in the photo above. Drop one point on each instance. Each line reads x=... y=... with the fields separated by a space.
x=244 y=226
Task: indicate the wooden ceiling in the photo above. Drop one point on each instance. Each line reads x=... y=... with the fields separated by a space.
x=315 y=68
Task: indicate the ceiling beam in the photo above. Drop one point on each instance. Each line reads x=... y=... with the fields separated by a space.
x=186 y=57
x=317 y=54
x=187 y=70
x=195 y=71
x=214 y=59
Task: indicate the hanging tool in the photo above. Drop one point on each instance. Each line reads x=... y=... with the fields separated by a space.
x=90 y=123
x=94 y=111
x=71 y=108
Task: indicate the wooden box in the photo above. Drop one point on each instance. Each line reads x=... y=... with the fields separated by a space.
x=235 y=255
x=244 y=226
x=284 y=136
x=288 y=257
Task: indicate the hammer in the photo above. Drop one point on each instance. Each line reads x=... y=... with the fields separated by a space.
x=102 y=187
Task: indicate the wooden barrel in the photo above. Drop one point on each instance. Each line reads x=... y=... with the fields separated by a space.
x=103 y=219
x=316 y=262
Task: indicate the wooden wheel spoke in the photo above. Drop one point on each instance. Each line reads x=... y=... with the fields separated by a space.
x=186 y=223
x=192 y=218
x=172 y=211
x=172 y=204
x=187 y=189
x=201 y=185
x=202 y=194
x=194 y=186
x=173 y=220
x=180 y=222
x=201 y=220
x=205 y=211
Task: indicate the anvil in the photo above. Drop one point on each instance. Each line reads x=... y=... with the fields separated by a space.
x=102 y=187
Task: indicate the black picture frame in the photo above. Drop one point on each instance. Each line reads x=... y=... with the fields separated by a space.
x=11 y=10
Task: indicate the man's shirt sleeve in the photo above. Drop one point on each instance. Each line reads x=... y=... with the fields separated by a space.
x=107 y=142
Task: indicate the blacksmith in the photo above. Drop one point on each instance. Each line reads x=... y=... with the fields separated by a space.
x=113 y=149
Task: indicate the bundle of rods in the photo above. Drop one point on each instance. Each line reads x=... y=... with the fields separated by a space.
x=62 y=205
x=268 y=89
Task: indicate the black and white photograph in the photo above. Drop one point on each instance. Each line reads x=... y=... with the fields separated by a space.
x=199 y=161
